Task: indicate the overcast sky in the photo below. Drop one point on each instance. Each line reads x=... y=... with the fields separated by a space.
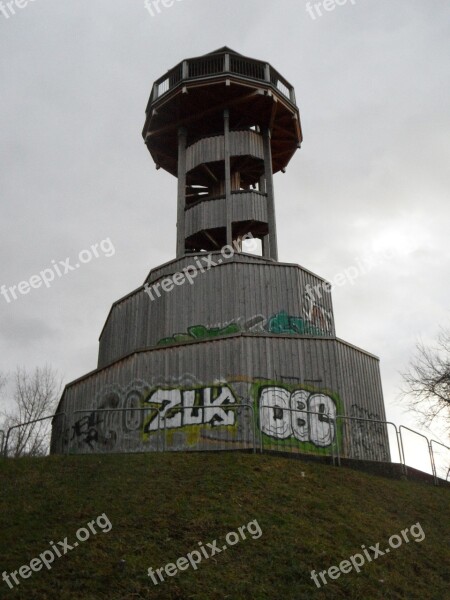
x=372 y=177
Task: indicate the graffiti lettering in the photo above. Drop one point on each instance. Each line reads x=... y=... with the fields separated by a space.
x=316 y=315
x=316 y=322
x=285 y=414
x=367 y=440
x=86 y=429
x=283 y=323
x=199 y=407
x=200 y=332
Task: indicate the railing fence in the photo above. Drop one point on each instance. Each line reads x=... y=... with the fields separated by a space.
x=217 y=64
x=234 y=427
x=26 y=424
x=365 y=439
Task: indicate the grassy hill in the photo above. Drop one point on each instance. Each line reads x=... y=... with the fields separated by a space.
x=311 y=516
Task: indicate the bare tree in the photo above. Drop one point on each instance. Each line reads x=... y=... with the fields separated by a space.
x=34 y=396
x=3 y=379
x=427 y=382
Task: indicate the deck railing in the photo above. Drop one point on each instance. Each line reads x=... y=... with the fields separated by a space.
x=216 y=64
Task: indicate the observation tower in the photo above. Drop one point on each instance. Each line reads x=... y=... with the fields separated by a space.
x=224 y=347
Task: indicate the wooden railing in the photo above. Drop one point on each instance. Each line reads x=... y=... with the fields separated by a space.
x=216 y=64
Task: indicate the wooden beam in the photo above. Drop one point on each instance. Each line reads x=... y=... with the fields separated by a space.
x=211 y=239
x=273 y=113
x=187 y=120
x=210 y=173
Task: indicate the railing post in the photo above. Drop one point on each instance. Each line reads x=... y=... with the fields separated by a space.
x=63 y=431
x=185 y=70
x=292 y=95
x=5 y=449
x=267 y=72
x=67 y=450
x=338 y=450
x=434 y=462
x=254 y=427
x=226 y=64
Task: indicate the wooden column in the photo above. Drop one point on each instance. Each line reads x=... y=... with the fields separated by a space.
x=181 y=219
x=273 y=246
x=266 y=246
x=229 y=223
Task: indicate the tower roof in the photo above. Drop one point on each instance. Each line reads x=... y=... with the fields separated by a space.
x=195 y=92
x=224 y=49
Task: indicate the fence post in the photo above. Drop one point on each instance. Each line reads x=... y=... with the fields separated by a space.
x=5 y=449
x=429 y=450
x=252 y=408
x=434 y=462
x=164 y=430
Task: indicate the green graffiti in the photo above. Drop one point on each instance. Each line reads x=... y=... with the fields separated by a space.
x=283 y=323
x=200 y=332
x=280 y=323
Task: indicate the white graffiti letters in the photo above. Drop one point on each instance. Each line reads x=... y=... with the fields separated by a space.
x=299 y=414
x=299 y=420
x=175 y=408
x=321 y=428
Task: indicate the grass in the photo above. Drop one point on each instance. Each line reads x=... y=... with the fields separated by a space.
x=162 y=505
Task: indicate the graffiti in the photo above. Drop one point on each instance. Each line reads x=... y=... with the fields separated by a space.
x=174 y=408
x=316 y=323
x=185 y=380
x=368 y=441
x=103 y=430
x=86 y=429
x=283 y=323
x=316 y=315
x=297 y=414
x=183 y=413
x=200 y=332
x=129 y=418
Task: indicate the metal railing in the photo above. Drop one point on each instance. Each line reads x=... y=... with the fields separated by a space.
x=18 y=426
x=366 y=443
x=197 y=428
x=444 y=466
x=91 y=433
x=430 y=451
x=300 y=435
x=238 y=435
x=217 y=64
x=99 y=431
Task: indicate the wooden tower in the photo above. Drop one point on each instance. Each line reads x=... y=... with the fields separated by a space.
x=223 y=124
x=241 y=353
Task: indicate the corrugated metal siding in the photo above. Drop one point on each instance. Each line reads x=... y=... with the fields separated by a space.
x=246 y=143
x=211 y=149
x=235 y=291
x=210 y=214
x=328 y=365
